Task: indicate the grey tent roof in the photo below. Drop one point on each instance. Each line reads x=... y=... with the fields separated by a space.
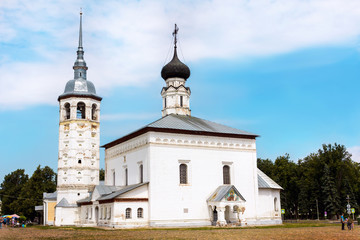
x=266 y=182
x=121 y=191
x=50 y=195
x=174 y=123
x=64 y=203
x=221 y=192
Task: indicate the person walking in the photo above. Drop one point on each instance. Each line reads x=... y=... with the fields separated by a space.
x=342 y=222
x=350 y=223
x=1 y=222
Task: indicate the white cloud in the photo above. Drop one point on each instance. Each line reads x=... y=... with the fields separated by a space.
x=126 y=42
x=355 y=152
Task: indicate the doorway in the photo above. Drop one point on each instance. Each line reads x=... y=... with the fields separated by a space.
x=215 y=216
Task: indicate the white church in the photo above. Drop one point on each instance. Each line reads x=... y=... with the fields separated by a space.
x=179 y=170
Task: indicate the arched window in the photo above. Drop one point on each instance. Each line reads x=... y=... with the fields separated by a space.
x=93 y=112
x=226 y=174
x=181 y=101
x=141 y=168
x=128 y=213
x=140 y=213
x=126 y=177
x=80 y=110
x=67 y=110
x=275 y=205
x=183 y=173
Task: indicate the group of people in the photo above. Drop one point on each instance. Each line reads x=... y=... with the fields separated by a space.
x=348 y=221
x=7 y=221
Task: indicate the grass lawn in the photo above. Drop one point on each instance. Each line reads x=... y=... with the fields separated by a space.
x=285 y=231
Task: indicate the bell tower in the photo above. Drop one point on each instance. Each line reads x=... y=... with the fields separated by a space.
x=176 y=96
x=79 y=140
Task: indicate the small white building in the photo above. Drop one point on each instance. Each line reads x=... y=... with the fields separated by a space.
x=179 y=170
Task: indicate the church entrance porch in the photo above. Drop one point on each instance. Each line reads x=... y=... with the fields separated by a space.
x=227 y=206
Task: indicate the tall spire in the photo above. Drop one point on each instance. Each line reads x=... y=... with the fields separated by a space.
x=80 y=64
x=80 y=31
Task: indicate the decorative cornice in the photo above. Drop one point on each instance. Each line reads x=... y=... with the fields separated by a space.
x=75 y=187
x=181 y=140
x=177 y=131
x=176 y=88
x=78 y=95
x=124 y=200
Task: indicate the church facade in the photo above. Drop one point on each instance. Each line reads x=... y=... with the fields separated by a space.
x=179 y=170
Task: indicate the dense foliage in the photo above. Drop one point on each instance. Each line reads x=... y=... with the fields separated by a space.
x=321 y=180
x=20 y=194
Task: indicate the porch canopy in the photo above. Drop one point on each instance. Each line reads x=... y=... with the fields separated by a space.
x=226 y=204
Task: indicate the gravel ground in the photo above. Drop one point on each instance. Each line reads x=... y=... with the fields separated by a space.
x=328 y=233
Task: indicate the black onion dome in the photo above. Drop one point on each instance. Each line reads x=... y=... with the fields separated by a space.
x=175 y=68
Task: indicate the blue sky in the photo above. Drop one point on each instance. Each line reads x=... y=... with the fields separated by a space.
x=286 y=70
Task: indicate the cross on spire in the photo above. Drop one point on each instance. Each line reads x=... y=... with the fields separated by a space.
x=175 y=34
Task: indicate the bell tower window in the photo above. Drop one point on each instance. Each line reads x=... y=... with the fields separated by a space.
x=93 y=112
x=80 y=110
x=67 y=110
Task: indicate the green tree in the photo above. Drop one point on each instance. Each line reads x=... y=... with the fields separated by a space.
x=330 y=194
x=287 y=177
x=11 y=190
x=102 y=174
x=331 y=164
x=267 y=166
x=42 y=180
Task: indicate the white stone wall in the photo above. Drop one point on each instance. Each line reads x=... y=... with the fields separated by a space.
x=171 y=203
x=130 y=156
x=67 y=216
x=175 y=90
x=267 y=209
x=205 y=174
x=79 y=157
x=120 y=219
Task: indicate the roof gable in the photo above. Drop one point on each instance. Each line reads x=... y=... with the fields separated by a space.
x=227 y=193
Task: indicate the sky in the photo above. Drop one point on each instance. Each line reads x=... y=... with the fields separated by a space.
x=286 y=70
